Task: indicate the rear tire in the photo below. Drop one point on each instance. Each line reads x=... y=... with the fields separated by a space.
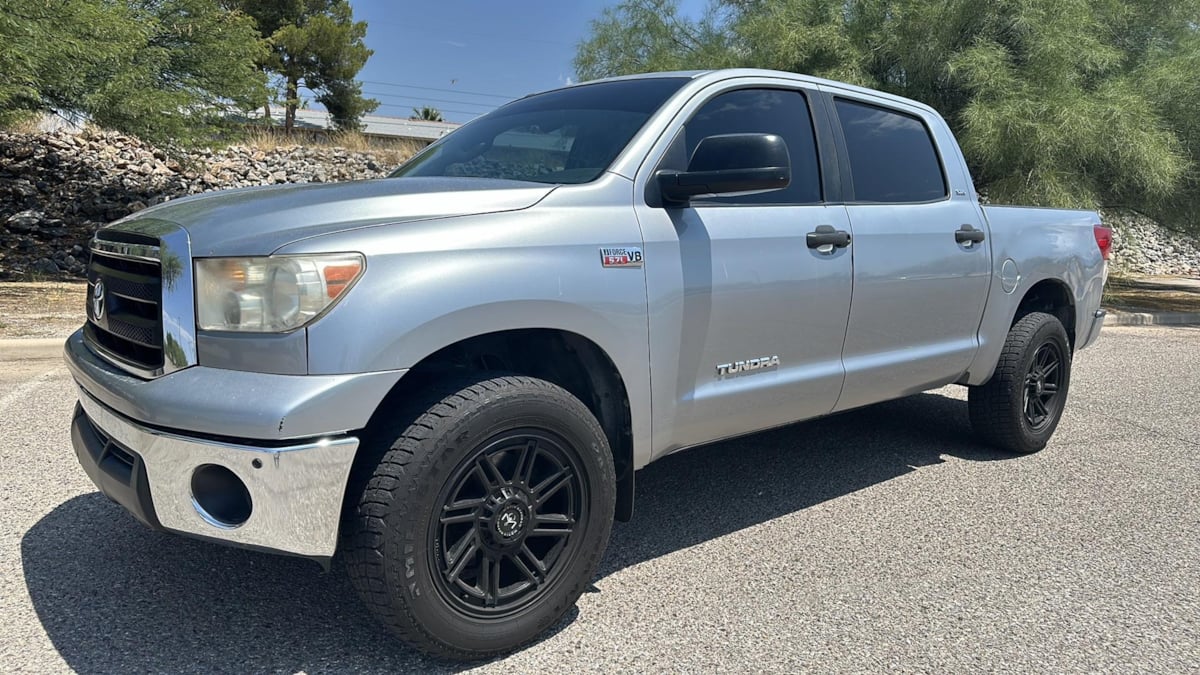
x=485 y=516
x=1020 y=407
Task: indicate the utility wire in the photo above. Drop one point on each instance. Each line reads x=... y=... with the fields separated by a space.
x=489 y=106
x=459 y=33
x=474 y=113
x=450 y=91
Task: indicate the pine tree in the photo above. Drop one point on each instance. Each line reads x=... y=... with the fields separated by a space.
x=316 y=44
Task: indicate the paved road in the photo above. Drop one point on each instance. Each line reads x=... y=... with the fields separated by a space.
x=883 y=539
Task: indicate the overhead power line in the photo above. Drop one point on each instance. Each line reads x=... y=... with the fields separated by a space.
x=449 y=91
x=422 y=99
x=473 y=113
x=492 y=36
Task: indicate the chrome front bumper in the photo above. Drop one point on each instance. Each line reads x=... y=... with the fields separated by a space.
x=296 y=490
x=288 y=438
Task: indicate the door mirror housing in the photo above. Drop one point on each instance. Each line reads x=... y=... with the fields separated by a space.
x=729 y=164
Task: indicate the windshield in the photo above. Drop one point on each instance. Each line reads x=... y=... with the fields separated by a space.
x=565 y=136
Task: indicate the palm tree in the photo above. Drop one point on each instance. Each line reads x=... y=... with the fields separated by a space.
x=428 y=114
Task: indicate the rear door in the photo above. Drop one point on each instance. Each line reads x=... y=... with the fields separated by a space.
x=920 y=284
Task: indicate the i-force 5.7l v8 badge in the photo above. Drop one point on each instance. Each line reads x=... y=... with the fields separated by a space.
x=624 y=256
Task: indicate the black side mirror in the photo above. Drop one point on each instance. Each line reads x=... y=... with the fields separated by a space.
x=727 y=164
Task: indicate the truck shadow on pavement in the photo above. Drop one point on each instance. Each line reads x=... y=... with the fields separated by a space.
x=115 y=597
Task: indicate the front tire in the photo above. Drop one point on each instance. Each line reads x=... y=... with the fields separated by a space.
x=1020 y=407
x=484 y=518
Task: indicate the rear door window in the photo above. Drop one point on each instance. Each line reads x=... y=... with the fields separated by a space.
x=892 y=156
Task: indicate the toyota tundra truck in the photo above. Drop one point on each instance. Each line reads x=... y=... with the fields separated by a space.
x=449 y=377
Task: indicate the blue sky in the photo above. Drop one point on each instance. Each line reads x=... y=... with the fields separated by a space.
x=465 y=57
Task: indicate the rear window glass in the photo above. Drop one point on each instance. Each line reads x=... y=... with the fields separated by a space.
x=892 y=156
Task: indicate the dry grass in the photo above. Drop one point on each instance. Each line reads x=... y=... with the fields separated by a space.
x=27 y=125
x=389 y=152
x=1134 y=295
x=41 y=309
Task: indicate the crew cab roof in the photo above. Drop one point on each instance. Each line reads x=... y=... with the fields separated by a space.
x=727 y=73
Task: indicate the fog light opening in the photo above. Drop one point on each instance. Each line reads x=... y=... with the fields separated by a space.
x=220 y=497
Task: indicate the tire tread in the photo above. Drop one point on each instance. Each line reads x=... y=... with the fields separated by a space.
x=995 y=408
x=399 y=470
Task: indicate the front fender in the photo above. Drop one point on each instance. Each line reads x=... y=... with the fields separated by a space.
x=429 y=285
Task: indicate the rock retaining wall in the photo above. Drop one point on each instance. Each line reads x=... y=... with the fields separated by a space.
x=57 y=188
x=1142 y=246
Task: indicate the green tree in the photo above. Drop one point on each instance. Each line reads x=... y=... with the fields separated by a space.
x=651 y=35
x=316 y=44
x=1077 y=103
x=165 y=70
x=427 y=113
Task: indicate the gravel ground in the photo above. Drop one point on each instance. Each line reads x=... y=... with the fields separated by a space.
x=882 y=539
x=41 y=309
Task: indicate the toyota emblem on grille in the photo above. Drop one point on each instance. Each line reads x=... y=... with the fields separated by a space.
x=98 y=300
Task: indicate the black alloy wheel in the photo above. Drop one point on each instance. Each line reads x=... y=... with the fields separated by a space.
x=507 y=523
x=479 y=509
x=1042 y=385
x=1019 y=408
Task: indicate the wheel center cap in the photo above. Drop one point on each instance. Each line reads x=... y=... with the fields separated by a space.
x=1039 y=382
x=510 y=521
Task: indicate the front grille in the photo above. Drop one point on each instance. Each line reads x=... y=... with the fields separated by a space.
x=129 y=323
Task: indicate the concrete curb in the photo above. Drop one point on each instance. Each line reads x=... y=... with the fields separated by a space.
x=1119 y=318
x=31 y=349
x=39 y=349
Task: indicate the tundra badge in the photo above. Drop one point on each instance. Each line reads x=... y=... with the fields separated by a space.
x=747 y=365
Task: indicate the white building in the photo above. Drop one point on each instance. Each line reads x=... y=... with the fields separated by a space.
x=378 y=126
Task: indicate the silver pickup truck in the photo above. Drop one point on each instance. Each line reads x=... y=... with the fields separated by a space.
x=450 y=376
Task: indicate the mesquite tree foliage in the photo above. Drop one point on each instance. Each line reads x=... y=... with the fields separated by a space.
x=1074 y=103
x=164 y=70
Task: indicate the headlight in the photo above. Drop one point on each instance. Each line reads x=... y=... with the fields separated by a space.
x=270 y=295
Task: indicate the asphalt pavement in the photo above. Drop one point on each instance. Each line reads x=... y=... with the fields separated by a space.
x=881 y=539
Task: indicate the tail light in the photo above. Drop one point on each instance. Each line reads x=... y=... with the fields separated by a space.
x=1103 y=239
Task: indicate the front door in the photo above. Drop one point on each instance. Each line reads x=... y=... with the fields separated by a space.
x=746 y=321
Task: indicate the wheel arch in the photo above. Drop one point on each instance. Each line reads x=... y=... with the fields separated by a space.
x=572 y=361
x=1042 y=293
x=1052 y=296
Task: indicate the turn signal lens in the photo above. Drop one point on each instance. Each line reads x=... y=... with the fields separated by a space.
x=1103 y=239
x=233 y=269
x=338 y=277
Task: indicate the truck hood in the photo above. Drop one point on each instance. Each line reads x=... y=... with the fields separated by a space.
x=258 y=221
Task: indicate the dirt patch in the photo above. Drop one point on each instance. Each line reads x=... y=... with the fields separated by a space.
x=45 y=309
x=1152 y=294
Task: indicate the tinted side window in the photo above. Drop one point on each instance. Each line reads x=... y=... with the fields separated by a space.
x=769 y=111
x=892 y=157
